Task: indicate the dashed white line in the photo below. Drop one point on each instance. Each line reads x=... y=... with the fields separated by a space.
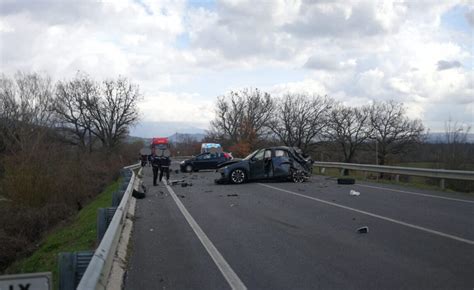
x=228 y=273
x=417 y=193
x=375 y=215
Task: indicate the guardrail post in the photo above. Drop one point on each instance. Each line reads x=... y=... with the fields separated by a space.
x=442 y=183
x=397 y=178
x=117 y=197
x=71 y=268
x=104 y=217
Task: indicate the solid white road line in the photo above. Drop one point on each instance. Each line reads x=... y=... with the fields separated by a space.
x=229 y=274
x=470 y=242
x=417 y=193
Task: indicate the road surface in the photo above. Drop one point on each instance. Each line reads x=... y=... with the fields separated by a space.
x=281 y=235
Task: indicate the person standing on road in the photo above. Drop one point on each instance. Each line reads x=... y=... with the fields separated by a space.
x=165 y=165
x=156 y=164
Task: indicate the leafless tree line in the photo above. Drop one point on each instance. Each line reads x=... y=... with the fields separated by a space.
x=84 y=110
x=250 y=117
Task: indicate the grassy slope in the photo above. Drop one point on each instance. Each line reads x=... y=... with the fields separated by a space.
x=77 y=235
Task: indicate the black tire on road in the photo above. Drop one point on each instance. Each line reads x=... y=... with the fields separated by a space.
x=238 y=176
x=345 y=180
x=188 y=168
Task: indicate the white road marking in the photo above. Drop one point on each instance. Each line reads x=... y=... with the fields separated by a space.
x=229 y=274
x=470 y=242
x=417 y=193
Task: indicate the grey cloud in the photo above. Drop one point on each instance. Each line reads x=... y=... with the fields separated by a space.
x=316 y=20
x=444 y=64
x=470 y=16
x=240 y=31
x=53 y=12
x=321 y=63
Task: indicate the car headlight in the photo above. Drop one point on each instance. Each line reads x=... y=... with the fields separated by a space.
x=182 y=162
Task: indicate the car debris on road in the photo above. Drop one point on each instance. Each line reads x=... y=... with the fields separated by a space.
x=354 y=193
x=363 y=230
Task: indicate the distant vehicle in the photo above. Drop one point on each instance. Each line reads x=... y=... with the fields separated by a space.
x=160 y=147
x=205 y=160
x=211 y=147
x=285 y=163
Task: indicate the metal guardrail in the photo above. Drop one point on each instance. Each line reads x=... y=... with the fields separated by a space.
x=442 y=174
x=97 y=273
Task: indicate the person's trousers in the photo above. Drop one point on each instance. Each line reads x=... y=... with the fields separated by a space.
x=155 y=174
x=167 y=170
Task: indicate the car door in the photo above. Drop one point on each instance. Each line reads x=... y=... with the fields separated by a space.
x=257 y=164
x=281 y=163
x=219 y=159
x=212 y=161
x=201 y=161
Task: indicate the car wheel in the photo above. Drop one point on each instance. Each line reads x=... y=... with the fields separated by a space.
x=297 y=176
x=189 y=168
x=238 y=176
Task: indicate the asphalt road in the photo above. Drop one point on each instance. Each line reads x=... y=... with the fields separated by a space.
x=281 y=235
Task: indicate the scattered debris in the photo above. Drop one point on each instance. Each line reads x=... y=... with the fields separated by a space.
x=174 y=182
x=233 y=194
x=184 y=184
x=300 y=189
x=151 y=230
x=208 y=191
x=353 y=218
x=137 y=194
x=232 y=205
x=363 y=230
x=354 y=193
x=161 y=191
x=182 y=196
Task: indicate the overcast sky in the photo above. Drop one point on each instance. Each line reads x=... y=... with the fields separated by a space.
x=184 y=54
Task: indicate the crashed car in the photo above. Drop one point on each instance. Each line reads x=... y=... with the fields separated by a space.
x=284 y=163
x=205 y=160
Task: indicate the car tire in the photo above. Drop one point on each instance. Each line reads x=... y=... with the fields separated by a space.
x=345 y=180
x=238 y=176
x=297 y=176
x=188 y=168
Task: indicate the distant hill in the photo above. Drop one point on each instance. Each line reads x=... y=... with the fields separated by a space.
x=173 y=138
x=180 y=136
x=439 y=137
x=149 y=129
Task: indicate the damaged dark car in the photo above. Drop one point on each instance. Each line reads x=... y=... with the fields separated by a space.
x=283 y=163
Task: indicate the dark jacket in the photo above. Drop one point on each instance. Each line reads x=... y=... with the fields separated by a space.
x=155 y=161
x=165 y=161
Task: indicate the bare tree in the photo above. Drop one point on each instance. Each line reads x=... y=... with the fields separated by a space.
x=349 y=128
x=455 y=151
x=243 y=116
x=300 y=119
x=393 y=131
x=71 y=109
x=113 y=110
x=26 y=110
